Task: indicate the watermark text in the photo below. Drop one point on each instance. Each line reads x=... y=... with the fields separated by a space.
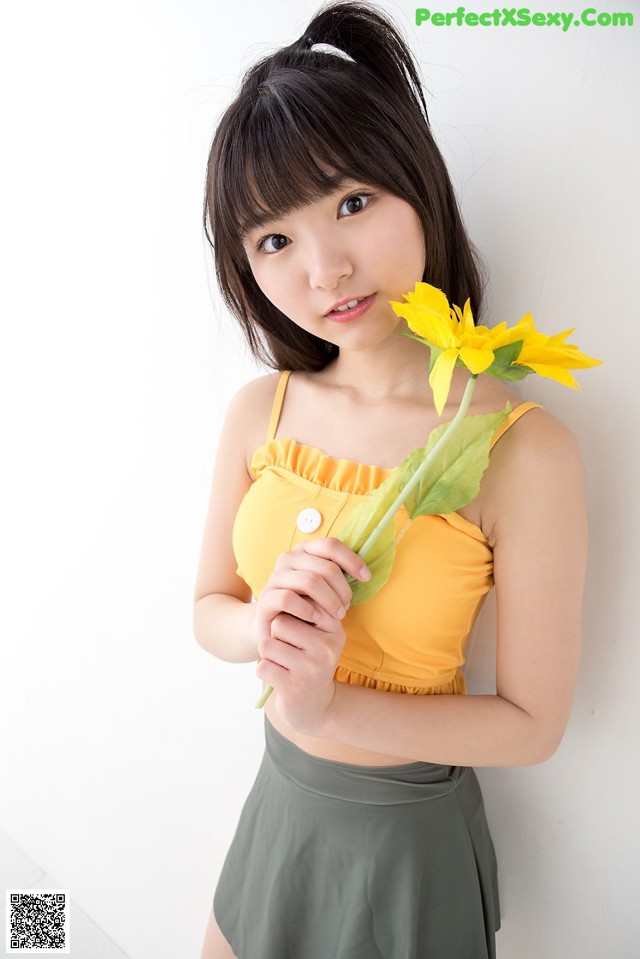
x=522 y=17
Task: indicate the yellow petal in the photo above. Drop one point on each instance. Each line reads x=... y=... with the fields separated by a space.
x=527 y=322
x=431 y=298
x=553 y=373
x=467 y=318
x=426 y=323
x=394 y=303
x=440 y=378
x=476 y=361
x=558 y=338
x=496 y=331
x=563 y=357
x=521 y=331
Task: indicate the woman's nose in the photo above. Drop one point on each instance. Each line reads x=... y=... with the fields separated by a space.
x=327 y=264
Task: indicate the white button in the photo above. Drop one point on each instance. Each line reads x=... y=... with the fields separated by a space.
x=309 y=520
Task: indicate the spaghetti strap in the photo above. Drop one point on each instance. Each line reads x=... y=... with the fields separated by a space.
x=277 y=404
x=514 y=415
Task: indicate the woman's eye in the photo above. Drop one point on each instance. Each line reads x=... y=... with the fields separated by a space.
x=356 y=202
x=263 y=244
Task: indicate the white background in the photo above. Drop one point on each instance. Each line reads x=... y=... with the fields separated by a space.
x=127 y=751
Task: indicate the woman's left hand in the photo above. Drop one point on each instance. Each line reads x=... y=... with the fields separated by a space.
x=299 y=661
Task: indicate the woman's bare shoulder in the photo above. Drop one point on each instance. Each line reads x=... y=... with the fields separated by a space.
x=260 y=388
x=251 y=405
x=535 y=460
x=535 y=435
x=528 y=429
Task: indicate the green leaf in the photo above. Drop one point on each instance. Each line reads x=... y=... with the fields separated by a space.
x=380 y=573
x=452 y=479
x=435 y=353
x=380 y=570
x=503 y=357
x=361 y=522
x=513 y=373
x=364 y=518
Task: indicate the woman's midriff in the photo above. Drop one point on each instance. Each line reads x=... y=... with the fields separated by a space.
x=327 y=748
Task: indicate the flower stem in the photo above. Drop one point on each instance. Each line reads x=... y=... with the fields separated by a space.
x=415 y=479
x=264 y=697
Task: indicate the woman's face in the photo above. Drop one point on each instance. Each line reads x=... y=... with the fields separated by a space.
x=356 y=242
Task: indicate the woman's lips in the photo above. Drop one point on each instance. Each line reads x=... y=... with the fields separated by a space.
x=343 y=316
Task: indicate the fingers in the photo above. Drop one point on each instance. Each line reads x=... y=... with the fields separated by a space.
x=289 y=638
x=309 y=583
x=337 y=552
x=284 y=599
x=317 y=581
x=319 y=568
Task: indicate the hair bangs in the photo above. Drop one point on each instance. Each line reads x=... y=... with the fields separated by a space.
x=295 y=148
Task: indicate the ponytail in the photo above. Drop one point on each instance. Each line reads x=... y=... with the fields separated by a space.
x=361 y=32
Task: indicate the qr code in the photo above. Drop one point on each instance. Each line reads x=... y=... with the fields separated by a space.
x=37 y=920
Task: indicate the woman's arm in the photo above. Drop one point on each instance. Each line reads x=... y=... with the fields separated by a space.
x=223 y=612
x=534 y=509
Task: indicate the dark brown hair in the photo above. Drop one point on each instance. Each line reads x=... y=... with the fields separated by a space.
x=304 y=120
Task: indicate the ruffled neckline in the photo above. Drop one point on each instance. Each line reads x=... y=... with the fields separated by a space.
x=313 y=464
x=342 y=475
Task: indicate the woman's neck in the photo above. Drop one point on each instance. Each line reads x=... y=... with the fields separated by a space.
x=395 y=367
x=372 y=376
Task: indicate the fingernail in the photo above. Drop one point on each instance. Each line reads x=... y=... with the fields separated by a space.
x=365 y=573
x=342 y=612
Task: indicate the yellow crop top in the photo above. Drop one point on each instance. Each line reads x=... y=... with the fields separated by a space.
x=411 y=636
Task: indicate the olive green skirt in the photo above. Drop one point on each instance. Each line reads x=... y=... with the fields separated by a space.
x=332 y=860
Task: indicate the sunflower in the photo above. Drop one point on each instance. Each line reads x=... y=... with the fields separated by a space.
x=508 y=353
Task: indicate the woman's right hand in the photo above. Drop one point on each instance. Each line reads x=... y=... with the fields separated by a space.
x=308 y=582
x=298 y=627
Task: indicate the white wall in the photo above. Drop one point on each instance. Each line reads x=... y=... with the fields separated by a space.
x=127 y=751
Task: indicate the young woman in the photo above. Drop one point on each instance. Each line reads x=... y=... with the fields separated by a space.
x=364 y=835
